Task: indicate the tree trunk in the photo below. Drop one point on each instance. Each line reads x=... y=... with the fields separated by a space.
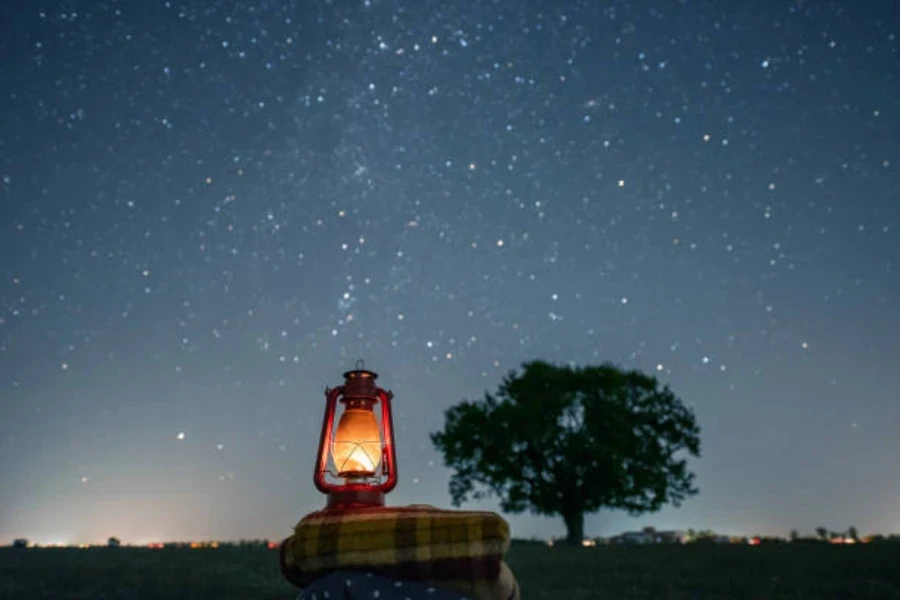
x=574 y=528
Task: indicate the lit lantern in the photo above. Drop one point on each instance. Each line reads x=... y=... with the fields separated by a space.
x=357 y=465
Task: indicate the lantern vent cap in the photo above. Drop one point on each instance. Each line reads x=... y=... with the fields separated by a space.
x=360 y=382
x=360 y=374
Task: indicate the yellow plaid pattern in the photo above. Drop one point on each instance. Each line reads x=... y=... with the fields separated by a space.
x=459 y=550
x=391 y=536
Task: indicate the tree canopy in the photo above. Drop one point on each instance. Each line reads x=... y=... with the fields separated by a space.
x=568 y=441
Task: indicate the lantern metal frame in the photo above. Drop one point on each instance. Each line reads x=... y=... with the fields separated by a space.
x=359 y=387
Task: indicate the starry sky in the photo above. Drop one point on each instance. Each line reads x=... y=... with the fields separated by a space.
x=210 y=210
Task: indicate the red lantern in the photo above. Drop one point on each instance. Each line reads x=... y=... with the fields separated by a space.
x=357 y=465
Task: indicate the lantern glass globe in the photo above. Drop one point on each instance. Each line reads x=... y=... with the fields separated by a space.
x=357 y=446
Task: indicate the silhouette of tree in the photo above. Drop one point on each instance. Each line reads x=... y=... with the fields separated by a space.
x=852 y=534
x=795 y=535
x=822 y=533
x=568 y=441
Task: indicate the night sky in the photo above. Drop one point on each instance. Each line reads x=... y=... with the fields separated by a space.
x=211 y=210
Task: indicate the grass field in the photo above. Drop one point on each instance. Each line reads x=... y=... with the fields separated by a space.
x=778 y=571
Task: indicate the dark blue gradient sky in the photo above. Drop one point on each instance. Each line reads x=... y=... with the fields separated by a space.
x=210 y=210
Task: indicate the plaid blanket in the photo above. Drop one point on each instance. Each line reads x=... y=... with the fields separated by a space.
x=459 y=550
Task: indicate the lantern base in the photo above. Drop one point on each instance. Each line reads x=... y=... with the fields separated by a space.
x=360 y=498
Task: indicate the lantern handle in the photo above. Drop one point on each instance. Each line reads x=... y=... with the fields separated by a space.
x=360 y=365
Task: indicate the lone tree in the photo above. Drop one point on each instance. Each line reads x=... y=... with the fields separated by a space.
x=569 y=441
